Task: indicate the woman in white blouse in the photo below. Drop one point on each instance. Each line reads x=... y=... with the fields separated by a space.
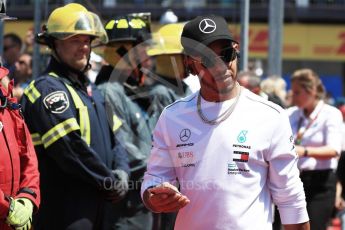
x=316 y=126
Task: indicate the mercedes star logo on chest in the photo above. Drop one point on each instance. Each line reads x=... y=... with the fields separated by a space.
x=207 y=26
x=185 y=135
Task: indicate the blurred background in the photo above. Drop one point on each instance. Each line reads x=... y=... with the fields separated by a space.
x=313 y=31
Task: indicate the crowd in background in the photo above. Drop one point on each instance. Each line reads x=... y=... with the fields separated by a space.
x=139 y=74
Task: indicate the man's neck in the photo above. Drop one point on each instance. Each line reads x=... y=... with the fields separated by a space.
x=215 y=96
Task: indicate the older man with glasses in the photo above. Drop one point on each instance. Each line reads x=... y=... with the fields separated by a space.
x=223 y=155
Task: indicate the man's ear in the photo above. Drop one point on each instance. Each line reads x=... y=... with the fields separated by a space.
x=236 y=46
x=238 y=54
x=189 y=65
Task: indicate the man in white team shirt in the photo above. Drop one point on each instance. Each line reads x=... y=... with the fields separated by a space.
x=223 y=155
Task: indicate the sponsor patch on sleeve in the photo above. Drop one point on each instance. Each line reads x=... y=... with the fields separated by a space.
x=56 y=102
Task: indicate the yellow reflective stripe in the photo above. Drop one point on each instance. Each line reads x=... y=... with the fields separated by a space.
x=31 y=92
x=85 y=124
x=84 y=119
x=110 y=25
x=59 y=131
x=36 y=139
x=116 y=123
x=137 y=23
x=53 y=74
x=122 y=24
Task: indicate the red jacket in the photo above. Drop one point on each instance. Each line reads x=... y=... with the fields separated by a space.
x=19 y=176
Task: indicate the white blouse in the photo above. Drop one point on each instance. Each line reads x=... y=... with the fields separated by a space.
x=321 y=128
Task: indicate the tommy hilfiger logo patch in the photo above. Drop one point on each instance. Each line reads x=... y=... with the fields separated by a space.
x=1 y=126
x=240 y=156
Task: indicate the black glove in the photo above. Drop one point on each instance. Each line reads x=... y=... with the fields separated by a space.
x=119 y=188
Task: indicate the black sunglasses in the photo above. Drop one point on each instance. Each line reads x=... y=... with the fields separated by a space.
x=226 y=55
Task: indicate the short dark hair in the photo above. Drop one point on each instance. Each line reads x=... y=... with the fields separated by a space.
x=14 y=38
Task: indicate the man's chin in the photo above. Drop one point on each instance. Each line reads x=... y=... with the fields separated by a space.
x=225 y=89
x=80 y=66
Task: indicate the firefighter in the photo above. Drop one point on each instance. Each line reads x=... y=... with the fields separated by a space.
x=125 y=33
x=167 y=86
x=19 y=176
x=169 y=72
x=82 y=162
x=130 y=36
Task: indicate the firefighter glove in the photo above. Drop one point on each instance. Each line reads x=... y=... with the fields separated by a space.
x=20 y=214
x=119 y=187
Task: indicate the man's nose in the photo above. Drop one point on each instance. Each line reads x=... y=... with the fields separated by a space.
x=85 y=46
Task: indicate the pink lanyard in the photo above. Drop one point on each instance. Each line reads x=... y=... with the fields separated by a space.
x=301 y=131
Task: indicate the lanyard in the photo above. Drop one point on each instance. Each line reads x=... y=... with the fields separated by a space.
x=302 y=130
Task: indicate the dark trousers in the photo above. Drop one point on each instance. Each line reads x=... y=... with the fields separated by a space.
x=277 y=224
x=142 y=220
x=128 y=214
x=319 y=187
x=164 y=221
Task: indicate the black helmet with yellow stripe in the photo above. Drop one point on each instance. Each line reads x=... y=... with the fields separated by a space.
x=129 y=35
x=133 y=28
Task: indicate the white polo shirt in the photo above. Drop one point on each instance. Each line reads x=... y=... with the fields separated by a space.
x=231 y=172
x=325 y=130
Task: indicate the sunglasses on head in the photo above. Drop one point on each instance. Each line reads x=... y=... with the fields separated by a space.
x=226 y=55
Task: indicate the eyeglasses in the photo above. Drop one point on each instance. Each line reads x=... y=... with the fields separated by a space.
x=226 y=55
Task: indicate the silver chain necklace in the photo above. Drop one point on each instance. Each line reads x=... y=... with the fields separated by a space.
x=223 y=116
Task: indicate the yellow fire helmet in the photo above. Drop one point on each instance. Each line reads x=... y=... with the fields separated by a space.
x=167 y=40
x=70 y=20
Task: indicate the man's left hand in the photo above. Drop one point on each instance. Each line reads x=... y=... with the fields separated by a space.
x=165 y=198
